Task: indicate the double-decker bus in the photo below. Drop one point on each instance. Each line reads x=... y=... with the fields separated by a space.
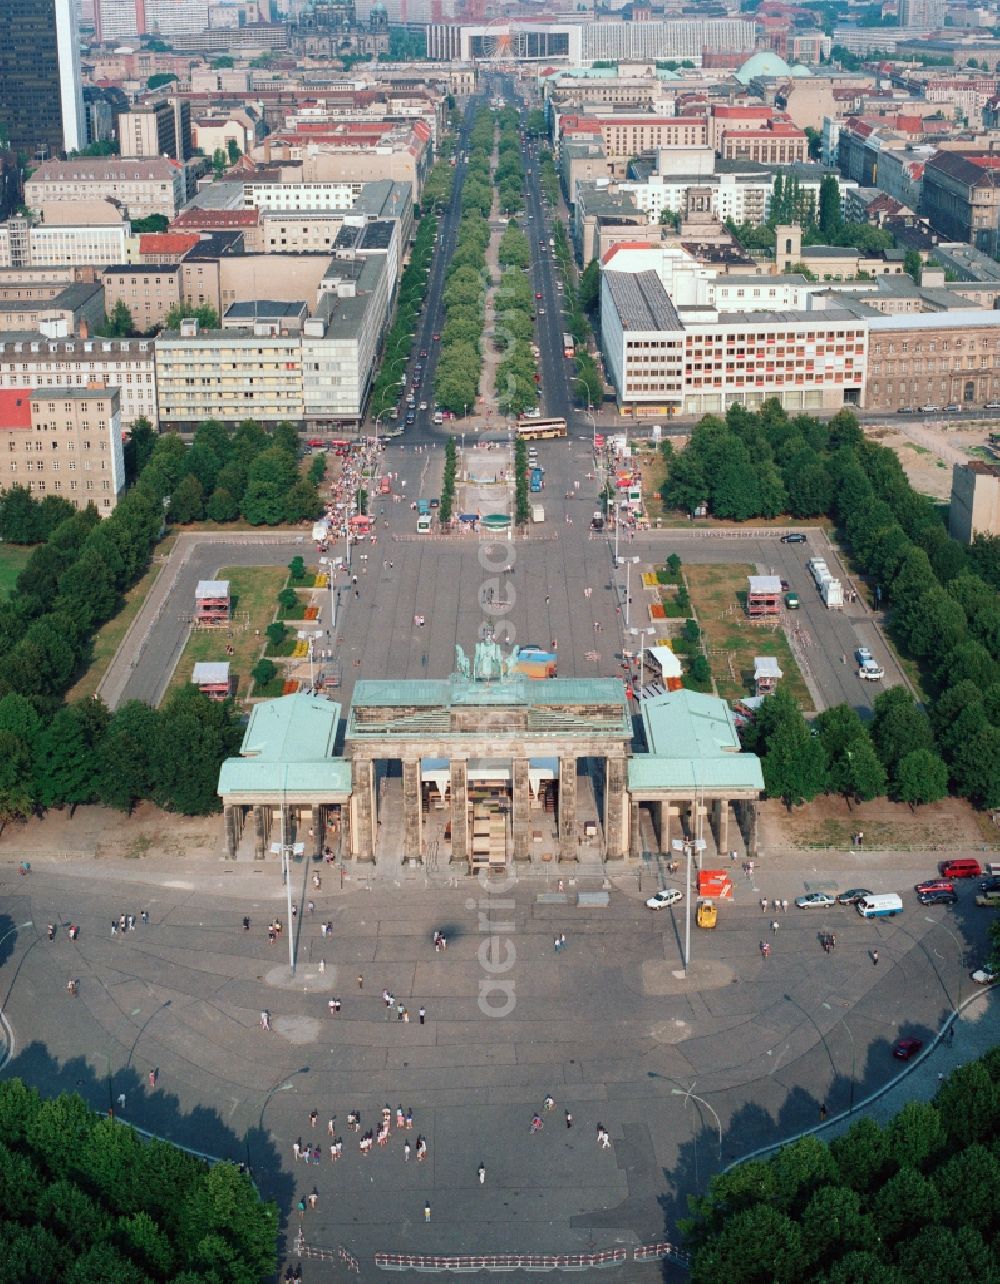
x=569 y=346
x=539 y=429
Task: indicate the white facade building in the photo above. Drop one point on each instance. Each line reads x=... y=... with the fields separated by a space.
x=31 y=360
x=301 y=196
x=44 y=246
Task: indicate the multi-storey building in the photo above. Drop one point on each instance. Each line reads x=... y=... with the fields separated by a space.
x=681 y=352
x=41 y=100
x=31 y=360
x=118 y=20
x=933 y=359
x=961 y=197
x=23 y=246
x=975 y=501
x=627 y=136
x=148 y=290
x=66 y=442
x=777 y=143
x=141 y=187
x=156 y=129
x=76 y=308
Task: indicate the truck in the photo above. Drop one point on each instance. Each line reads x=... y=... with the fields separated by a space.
x=321 y=531
x=537 y=513
x=832 y=592
x=423 y=508
x=423 y=523
x=536 y=481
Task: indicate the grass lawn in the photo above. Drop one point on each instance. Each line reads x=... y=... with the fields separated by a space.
x=654 y=474
x=12 y=560
x=717 y=594
x=254 y=590
x=109 y=637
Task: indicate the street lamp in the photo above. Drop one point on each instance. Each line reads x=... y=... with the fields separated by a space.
x=628 y=563
x=689 y=1094
x=286 y=851
x=334 y=593
x=640 y=634
x=961 y=957
x=688 y=846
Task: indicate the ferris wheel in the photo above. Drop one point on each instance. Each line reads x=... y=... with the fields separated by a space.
x=502 y=42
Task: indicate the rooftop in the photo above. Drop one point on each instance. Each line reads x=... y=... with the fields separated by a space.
x=297 y=734
x=641 y=301
x=67 y=393
x=693 y=742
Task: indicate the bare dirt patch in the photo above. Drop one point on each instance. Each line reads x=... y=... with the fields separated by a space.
x=928 y=450
x=99 y=832
x=829 y=822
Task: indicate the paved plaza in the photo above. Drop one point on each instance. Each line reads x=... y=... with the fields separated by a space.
x=608 y=1026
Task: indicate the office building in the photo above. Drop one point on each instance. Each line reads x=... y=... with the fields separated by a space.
x=41 y=100
x=66 y=442
x=148 y=290
x=45 y=245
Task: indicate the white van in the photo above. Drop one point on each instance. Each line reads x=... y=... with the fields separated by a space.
x=885 y=906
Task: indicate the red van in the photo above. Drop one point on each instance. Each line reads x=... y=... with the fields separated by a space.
x=965 y=867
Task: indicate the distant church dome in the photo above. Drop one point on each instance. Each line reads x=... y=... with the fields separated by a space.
x=768 y=63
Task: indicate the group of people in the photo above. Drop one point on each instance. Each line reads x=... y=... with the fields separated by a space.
x=124 y=923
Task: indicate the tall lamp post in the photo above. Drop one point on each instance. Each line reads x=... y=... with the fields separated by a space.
x=640 y=634
x=286 y=851
x=628 y=563
x=688 y=846
x=689 y=1094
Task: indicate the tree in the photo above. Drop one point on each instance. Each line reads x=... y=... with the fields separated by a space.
x=66 y=755
x=829 y=206
x=196 y=735
x=264 y=503
x=794 y=761
x=219 y=162
x=913 y=265
x=19 y=517
x=118 y=323
x=590 y=287
x=233 y=151
x=898 y=727
x=127 y=759
x=685 y=487
x=920 y=777
x=221 y=506
x=203 y=313
x=187 y=502
x=160 y=79
x=264 y=672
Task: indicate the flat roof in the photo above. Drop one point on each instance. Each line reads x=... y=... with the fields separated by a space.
x=66 y=393
x=211 y=588
x=641 y=301
x=292 y=728
x=140 y=269
x=764 y=583
x=210 y=672
x=265 y=310
x=694 y=744
x=960 y=319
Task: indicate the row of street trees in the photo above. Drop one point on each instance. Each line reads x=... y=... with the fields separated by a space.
x=509 y=176
x=944 y=611
x=412 y=289
x=460 y=361
x=914 y=1199
x=514 y=308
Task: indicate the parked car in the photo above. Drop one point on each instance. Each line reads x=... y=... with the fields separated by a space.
x=785 y=586
x=815 y=900
x=664 y=898
x=984 y=975
x=928 y=410
x=794 y=537
x=992 y=405
x=904 y=1049
x=988 y=900
x=905 y=410
x=953 y=409
x=853 y=895
x=960 y=867
x=939 y=897
x=934 y=885
x=871 y=672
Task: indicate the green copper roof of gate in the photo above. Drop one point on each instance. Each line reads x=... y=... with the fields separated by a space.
x=288 y=747
x=693 y=744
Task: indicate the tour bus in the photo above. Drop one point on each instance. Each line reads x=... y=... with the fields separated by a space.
x=540 y=429
x=569 y=346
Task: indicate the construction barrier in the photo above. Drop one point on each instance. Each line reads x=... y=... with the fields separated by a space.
x=501 y=1261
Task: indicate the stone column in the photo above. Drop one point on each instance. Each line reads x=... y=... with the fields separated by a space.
x=614 y=808
x=459 y=809
x=567 y=809
x=635 y=830
x=412 y=818
x=665 y=825
x=722 y=833
x=364 y=819
x=232 y=832
x=316 y=825
x=259 y=833
x=521 y=814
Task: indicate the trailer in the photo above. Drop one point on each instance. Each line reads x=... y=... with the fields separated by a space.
x=832 y=593
x=537 y=513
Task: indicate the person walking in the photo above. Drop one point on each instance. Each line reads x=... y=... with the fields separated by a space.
x=427 y=1212
x=313 y=1118
x=569 y=1120
x=875 y=958
x=246 y=922
x=422 y=1013
x=763 y=904
x=361 y=982
x=482 y=1174
x=297 y=1149
x=152 y=1078
x=121 y=1101
x=562 y=941
x=774 y=927
x=406 y=1151
x=331 y=1126
x=822 y=1111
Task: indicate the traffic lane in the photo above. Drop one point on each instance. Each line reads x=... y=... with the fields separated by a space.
x=827 y=639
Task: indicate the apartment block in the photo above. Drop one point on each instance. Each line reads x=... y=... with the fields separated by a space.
x=32 y=360
x=961 y=198
x=141 y=187
x=66 y=442
x=76 y=308
x=156 y=129
x=149 y=291
x=777 y=143
x=627 y=136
